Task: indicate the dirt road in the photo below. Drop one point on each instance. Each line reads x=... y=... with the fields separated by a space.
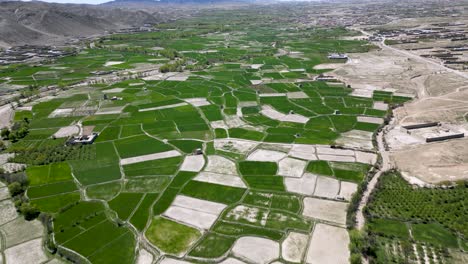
x=360 y=220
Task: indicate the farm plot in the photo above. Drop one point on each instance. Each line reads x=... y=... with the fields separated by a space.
x=85 y=229
x=170 y=236
x=326 y=210
x=329 y=244
x=194 y=212
x=257 y=250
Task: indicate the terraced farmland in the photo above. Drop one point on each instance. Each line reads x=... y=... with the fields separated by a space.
x=237 y=156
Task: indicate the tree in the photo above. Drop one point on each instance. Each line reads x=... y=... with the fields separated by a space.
x=29 y=211
x=15 y=188
x=5 y=133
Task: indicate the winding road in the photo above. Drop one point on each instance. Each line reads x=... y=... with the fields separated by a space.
x=386 y=164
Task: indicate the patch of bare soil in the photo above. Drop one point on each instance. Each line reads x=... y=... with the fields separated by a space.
x=434 y=163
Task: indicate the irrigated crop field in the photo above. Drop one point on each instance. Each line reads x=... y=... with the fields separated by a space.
x=230 y=152
x=409 y=224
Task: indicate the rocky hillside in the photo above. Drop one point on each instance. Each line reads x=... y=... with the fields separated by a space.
x=43 y=23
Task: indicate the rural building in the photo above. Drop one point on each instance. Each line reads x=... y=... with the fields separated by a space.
x=83 y=140
x=422 y=125
x=337 y=56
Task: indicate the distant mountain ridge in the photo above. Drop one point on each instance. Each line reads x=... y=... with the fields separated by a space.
x=161 y=2
x=44 y=23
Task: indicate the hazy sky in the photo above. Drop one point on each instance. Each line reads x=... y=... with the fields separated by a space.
x=77 y=1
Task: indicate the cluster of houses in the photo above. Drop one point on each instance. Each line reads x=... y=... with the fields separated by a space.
x=24 y=53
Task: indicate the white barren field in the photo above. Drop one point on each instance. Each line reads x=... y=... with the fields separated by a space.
x=7 y=211
x=291 y=167
x=327 y=187
x=266 y=155
x=26 y=253
x=220 y=164
x=329 y=244
x=144 y=257
x=154 y=156
x=304 y=185
x=294 y=246
x=195 y=212
x=222 y=179
x=20 y=230
x=331 y=211
x=232 y=261
x=256 y=249
x=193 y=163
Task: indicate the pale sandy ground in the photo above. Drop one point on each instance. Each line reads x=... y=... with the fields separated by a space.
x=220 y=164
x=366 y=157
x=4 y=193
x=162 y=107
x=270 y=112
x=327 y=66
x=197 y=101
x=62 y=112
x=173 y=261
x=144 y=257
x=233 y=121
x=321 y=186
x=333 y=151
x=7 y=211
x=369 y=119
x=434 y=163
x=306 y=152
x=256 y=82
x=20 y=230
x=26 y=253
x=11 y=167
x=297 y=95
x=327 y=187
x=6 y=115
x=194 y=212
x=356 y=139
x=235 y=145
x=221 y=179
x=325 y=210
x=304 y=185
x=442 y=96
x=232 y=261
x=178 y=78
x=294 y=246
x=347 y=190
x=113 y=90
x=112 y=63
x=193 y=163
x=67 y=131
x=110 y=110
x=5 y=156
x=219 y=124
x=154 y=156
x=337 y=158
x=272 y=94
x=256 y=66
x=266 y=155
x=291 y=167
x=329 y=244
x=380 y=106
x=256 y=249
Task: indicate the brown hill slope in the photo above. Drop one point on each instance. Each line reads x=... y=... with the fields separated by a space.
x=44 y=23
